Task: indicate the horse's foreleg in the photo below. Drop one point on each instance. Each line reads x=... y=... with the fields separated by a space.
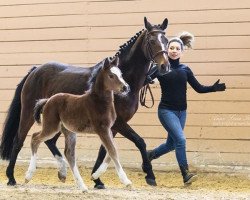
x=101 y=155
x=62 y=164
x=108 y=142
x=124 y=129
x=70 y=143
x=102 y=168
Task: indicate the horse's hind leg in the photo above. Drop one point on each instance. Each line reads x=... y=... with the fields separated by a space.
x=108 y=142
x=70 y=143
x=26 y=122
x=62 y=164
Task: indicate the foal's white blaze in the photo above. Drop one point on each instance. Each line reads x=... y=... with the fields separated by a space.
x=32 y=168
x=62 y=165
x=118 y=73
x=79 y=179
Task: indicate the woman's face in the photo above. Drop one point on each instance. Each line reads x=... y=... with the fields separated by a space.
x=174 y=50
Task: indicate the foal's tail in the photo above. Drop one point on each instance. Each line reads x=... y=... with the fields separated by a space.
x=11 y=123
x=39 y=109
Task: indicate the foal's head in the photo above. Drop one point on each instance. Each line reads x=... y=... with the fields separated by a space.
x=112 y=76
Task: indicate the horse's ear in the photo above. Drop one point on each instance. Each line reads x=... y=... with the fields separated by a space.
x=164 y=24
x=115 y=61
x=148 y=26
x=106 y=64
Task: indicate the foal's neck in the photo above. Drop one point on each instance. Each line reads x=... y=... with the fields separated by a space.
x=100 y=92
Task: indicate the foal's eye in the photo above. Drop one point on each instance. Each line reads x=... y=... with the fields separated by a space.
x=111 y=76
x=152 y=41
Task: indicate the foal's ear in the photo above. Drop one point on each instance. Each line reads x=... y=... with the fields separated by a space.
x=115 y=61
x=106 y=64
x=164 y=24
x=148 y=26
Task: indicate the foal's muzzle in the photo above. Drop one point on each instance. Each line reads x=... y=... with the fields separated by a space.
x=125 y=89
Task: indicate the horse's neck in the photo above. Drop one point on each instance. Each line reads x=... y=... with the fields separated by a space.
x=134 y=66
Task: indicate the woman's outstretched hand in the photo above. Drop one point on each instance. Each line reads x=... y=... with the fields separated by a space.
x=219 y=86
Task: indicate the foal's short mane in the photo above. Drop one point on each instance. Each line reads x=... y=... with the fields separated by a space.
x=93 y=76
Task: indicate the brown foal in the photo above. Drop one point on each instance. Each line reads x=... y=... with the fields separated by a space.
x=91 y=112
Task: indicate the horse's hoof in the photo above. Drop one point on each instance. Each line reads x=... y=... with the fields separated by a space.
x=61 y=177
x=11 y=182
x=99 y=187
x=151 y=182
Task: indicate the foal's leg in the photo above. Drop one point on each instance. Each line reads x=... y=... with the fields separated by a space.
x=70 y=143
x=101 y=155
x=62 y=164
x=108 y=142
x=124 y=129
x=36 y=140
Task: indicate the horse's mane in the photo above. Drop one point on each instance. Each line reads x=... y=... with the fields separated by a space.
x=125 y=48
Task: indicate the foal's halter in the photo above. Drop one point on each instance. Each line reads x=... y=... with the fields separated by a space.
x=152 y=57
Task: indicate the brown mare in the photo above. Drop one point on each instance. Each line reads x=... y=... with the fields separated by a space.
x=93 y=111
x=135 y=56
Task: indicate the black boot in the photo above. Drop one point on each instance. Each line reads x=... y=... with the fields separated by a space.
x=151 y=155
x=188 y=177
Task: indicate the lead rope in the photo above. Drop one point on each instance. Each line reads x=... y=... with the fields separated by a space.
x=144 y=89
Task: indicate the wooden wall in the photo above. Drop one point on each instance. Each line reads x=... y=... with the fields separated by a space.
x=85 y=32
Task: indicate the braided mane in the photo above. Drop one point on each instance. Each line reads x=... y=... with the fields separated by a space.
x=127 y=45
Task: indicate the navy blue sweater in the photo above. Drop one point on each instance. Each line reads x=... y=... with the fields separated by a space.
x=174 y=86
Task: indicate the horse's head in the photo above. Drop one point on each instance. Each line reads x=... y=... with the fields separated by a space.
x=113 y=76
x=155 y=44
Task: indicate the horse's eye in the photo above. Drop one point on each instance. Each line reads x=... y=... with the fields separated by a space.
x=111 y=76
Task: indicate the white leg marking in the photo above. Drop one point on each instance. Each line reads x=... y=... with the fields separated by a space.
x=62 y=166
x=78 y=179
x=102 y=169
x=31 y=169
x=122 y=175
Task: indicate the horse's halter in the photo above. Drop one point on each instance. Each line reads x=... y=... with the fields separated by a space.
x=151 y=54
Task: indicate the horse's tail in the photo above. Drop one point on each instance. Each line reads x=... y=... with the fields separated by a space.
x=11 y=123
x=39 y=109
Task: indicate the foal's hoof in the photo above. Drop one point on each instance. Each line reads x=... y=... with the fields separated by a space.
x=151 y=182
x=11 y=182
x=27 y=180
x=61 y=177
x=99 y=187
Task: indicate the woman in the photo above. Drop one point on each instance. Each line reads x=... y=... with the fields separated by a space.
x=173 y=104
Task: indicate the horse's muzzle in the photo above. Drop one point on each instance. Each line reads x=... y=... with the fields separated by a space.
x=164 y=69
